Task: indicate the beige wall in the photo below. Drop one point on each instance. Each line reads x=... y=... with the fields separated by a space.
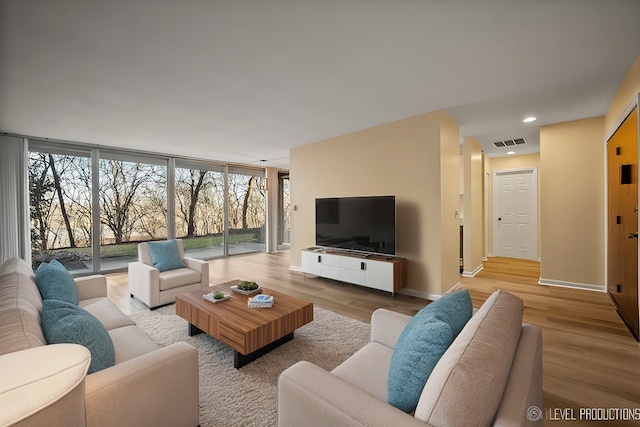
x=523 y=161
x=473 y=195
x=627 y=91
x=572 y=202
x=415 y=159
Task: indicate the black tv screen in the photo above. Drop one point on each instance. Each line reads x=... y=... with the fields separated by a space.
x=364 y=224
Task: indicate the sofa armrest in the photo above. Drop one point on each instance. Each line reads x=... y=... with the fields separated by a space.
x=310 y=396
x=160 y=388
x=144 y=283
x=200 y=266
x=44 y=385
x=94 y=286
x=387 y=325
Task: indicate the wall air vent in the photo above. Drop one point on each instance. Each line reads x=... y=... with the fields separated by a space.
x=509 y=142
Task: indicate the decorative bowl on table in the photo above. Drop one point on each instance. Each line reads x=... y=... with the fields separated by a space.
x=217 y=296
x=246 y=287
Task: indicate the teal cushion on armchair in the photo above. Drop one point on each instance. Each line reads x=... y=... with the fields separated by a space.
x=165 y=255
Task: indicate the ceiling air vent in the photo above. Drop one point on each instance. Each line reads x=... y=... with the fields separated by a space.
x=509 y=142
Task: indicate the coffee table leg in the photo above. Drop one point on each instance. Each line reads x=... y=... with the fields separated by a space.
x=239 y=359
x=194 y=330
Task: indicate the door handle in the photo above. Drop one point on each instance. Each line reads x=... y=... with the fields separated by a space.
x=632 y=235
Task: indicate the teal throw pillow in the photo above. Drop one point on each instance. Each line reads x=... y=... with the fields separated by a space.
x=455 y=309
x=56 y=263
x=55 y=282
x=67 y=323
x=419 y=348
x=165 y=255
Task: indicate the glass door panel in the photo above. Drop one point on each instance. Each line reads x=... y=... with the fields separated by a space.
x=60 y=209
x=200 y=211
x=133 y=209
x=246 y=213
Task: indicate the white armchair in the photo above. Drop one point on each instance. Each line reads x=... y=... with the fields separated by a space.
x=156 y=288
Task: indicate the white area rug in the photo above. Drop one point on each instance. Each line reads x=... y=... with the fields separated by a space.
x=247 y=396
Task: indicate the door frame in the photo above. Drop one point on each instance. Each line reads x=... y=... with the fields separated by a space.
x=534 y=214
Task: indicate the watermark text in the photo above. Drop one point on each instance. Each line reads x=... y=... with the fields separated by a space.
x=535 y=413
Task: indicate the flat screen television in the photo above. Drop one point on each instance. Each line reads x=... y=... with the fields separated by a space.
x=363 y=224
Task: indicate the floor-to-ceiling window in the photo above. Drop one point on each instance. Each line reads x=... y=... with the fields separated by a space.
x=90 y=207
x=246 y=201
x=200 y=208
x=133 y=206
x=284 y=217
x=60 y=206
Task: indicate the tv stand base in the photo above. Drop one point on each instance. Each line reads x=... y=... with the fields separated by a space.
x=373 y=271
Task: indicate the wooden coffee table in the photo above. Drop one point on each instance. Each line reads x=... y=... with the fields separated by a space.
x=250 y=332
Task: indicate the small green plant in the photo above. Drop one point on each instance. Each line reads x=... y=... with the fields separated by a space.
x=218 y=295
x=247 y=286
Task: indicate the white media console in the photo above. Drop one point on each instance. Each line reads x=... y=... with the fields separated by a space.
x=373 y=271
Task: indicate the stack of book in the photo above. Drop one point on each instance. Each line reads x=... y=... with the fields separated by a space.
x=260 y=301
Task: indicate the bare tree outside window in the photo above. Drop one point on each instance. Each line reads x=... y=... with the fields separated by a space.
x=60 y=208
x=132 y=201
x=132 y=196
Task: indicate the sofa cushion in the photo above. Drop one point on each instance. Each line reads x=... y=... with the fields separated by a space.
x=130 y=342
x=420 y=345
x=417 y=351
x=466 y=386
x=106 y=312
x=165 y=255
x=63 y=322
x=55 y=282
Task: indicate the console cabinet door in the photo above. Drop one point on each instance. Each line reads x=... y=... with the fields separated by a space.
x=353 y=270
x=379 y=275
x=311 y=262
x=330 y=266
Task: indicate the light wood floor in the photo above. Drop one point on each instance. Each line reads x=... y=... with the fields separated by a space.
x=590 y=360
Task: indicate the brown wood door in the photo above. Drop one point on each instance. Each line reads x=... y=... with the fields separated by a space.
x=622 y=256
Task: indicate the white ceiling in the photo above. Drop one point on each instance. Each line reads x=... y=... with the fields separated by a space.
x=246 y=80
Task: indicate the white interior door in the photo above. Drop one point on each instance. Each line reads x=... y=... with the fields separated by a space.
x=515 y=213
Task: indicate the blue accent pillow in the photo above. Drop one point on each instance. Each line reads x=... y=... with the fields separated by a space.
x=67 y=323
x=417 y=351
x=55 y=282
x=165 y=255
x=421 y=344
x=455 y=309
x=56 y=263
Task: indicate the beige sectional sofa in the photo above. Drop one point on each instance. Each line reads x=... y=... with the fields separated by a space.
x=49 y=385
x=490 y=375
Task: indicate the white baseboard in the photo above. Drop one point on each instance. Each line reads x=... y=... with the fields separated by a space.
x=419 y=294
x=572 y=285
x=472 y=273
x=295 y=268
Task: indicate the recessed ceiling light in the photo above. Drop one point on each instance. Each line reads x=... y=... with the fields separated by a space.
x=529 y=119
x=511 y=152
